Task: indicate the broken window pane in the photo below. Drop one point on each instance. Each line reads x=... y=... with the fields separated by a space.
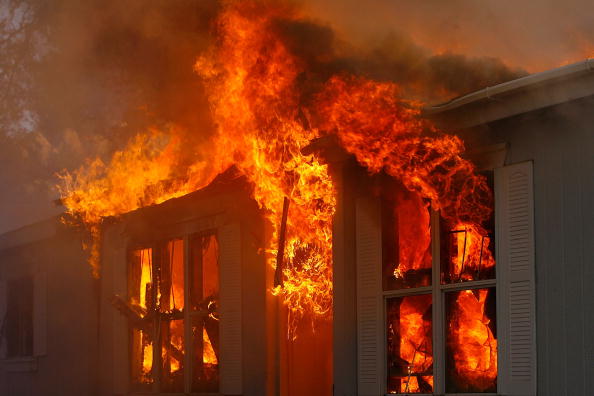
x=205 y=356
x=141 y=300
x=406 y=239
x=171 y=290
x=172 y=356
x=141 y=357
x=471 y=359
x=467 y=249
x=466 y=253
x=204 y=294
x=409 y=344
x=140 y=280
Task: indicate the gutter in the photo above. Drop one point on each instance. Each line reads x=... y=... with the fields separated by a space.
x=534 y=91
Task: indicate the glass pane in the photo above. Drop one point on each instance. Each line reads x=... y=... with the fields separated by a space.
x=409 y=344
x=205 y=321
x=467 y=249
x=172 y=356
x=406 y=239
x=171 y=290
x=471 y=352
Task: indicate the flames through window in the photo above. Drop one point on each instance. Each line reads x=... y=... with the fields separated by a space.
x=412 y=281
x=171 y=297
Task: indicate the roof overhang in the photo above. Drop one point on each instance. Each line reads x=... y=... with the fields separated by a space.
x=519 y=96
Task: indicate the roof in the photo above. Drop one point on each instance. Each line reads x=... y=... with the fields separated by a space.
x=518 y=96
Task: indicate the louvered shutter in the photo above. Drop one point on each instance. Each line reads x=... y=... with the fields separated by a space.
x=40 y=314
x=369 y=303
x=514 y=208
x=3 y=324
x=230 y=309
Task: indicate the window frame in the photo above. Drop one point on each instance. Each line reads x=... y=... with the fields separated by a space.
x=156 y=245
x=437 y=290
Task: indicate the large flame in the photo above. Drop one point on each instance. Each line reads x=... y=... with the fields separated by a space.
x=208 y=355
x=262 y=122
x=472 y=343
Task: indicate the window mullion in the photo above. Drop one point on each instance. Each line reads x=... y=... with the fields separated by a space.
x=481 y=284
x=438 y=310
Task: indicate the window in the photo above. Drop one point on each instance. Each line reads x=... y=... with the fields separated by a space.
x=17 y=325
x=173 y=311
x=435 y=313
x=410 y=289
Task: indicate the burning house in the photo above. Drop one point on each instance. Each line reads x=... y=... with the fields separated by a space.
x=340 y=242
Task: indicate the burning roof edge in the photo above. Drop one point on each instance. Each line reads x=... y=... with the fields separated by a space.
x=518 y=96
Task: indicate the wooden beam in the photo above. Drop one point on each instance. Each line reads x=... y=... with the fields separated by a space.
x=278 y=275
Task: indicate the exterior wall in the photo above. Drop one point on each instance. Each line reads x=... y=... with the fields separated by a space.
x=345 y=282
x=560 y=142
x=87 y=340
x=67 y=367
x=177 y=218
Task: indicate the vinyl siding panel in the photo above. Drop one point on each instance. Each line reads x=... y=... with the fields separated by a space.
x=560 y=141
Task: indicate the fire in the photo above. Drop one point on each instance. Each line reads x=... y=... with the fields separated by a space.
x=412 y=227
x=471 y=254
x=472 y=343
x=208 y=355
x=410 y=345
x=147 y=361
x=263 y=121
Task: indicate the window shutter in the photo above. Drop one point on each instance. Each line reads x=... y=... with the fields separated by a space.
x=40 y=314
x=3 y=324
x=514 y=209
x=369 y=303
x=230 y=309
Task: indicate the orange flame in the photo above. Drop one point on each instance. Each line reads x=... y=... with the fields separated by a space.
x=472 y=342
x=208 y=355
x=262 y=124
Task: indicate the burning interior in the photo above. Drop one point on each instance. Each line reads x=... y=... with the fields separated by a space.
x=409 y=271
x=157 y=309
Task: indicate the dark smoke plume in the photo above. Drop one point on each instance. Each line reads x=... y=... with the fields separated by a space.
x=92 y=74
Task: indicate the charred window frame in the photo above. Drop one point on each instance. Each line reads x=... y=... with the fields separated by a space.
x=172 y=310
x=426 y=300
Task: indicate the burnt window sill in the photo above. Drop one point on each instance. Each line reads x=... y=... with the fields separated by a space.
x=20 y=364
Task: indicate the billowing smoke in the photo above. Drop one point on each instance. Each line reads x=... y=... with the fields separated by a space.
x=536 y=35
x=80 y=79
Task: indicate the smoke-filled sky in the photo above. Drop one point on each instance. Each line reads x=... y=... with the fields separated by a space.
x=78 y=79
x=535 y=35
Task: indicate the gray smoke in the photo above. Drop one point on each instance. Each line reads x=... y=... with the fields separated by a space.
x=79 y=78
